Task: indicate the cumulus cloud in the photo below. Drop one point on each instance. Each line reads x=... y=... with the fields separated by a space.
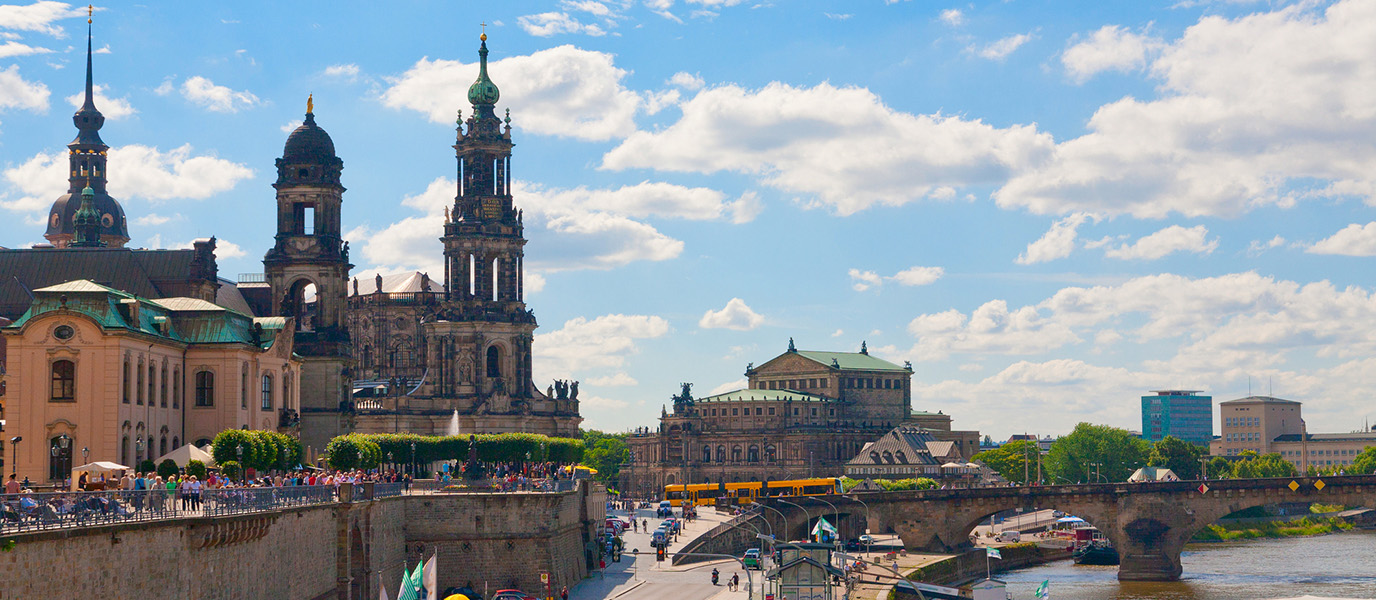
x=736 y=315
x=1257 y=247
x=1243 y=113
x=217 y=98
x=729 y=386
x=13 y=48
x=1057 y=242
x=583 y=344
x=224 y=249
x=16 y=92
x=153 y=219
x=617 y=379
x=1166 y=241
x=112 y=108
x=841 y=146
x=547 y=24
x=1353 y=240
x=562 y=91
x=136 y=171
x=40 y=17
x=912 y=276
x=1111 y=48
x=687 y=81
x=1001 y=48
x=347 y=72
x=952 y=17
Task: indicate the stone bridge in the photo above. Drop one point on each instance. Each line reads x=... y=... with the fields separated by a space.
x=1149 y=523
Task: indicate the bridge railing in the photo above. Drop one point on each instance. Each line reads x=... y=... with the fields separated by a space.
x=55 y=510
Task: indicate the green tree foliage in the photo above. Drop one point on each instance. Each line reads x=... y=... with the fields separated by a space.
x=1252 y=465
x=263 y=450
x=1016 y=461
x=1220 y=468
x=606 y=453
x=921 y=483
x=1117 y=452
x=367 y=451
x=1177 y=455
x=231 y=469
x=167 y=468
x=1365 y=463
x=196 y=468
x=146 y=466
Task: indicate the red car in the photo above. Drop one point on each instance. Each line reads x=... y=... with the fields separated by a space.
x=512 y=595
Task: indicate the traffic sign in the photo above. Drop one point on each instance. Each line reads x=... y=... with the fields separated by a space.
x=544 y=578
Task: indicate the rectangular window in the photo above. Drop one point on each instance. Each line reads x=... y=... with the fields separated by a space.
x=126 y=381
x=814 y=412
x=176 y=387
x=138 y=389
x=759 y=411
x=205 y=388
x=824 y=383
x=735 y=412
x=771 y=411
x=64 y=381
x=162 y=390
x=795 y=412
x=267 y=393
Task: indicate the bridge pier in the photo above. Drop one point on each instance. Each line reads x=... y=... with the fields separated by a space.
x=1149 y=550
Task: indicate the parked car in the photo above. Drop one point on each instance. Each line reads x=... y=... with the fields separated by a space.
x=660 y=537
x=512 y=595
x=867 y=540
x=665 y=509
x=674 y=524
x=751 y=560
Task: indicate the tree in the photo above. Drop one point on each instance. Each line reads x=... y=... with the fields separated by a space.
x=1220 y=468
x=196 y=468
x=230 y=469
x=1097 y=452
x=1365 y=463
x=1251 y=465
x=1016 y=461
x=1177 y=455
x=606 y=453
x=167 y=468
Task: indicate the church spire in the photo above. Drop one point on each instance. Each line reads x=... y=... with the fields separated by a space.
x=483 y=94
x=88 y=119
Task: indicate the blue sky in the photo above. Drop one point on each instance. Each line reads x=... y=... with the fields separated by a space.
x=1049 y=208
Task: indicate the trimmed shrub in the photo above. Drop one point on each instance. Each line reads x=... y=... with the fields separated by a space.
x=146 y=466
x=196 y=469
x=167 y=468
x=230 y=469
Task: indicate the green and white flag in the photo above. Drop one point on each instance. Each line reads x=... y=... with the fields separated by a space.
x=410 y=584
x=823 y=532
x=1041 y=592
x=993 y=553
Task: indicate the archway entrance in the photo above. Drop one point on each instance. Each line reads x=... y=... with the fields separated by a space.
x=299 y=304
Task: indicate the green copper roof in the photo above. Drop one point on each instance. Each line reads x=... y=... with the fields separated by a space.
x=747 y=395
x=851 y=361
x=483 y=91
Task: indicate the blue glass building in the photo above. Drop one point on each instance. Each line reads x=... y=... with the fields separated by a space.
x=1181 y=413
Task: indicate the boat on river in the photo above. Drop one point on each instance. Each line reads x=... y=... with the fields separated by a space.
x=1092 y=548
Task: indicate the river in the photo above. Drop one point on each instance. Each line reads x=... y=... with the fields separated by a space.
x=1341 y=565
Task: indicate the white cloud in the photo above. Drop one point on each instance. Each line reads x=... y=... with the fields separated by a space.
x=1166 y=241
x=39 y=16
x=347 y=72
x=838 y=333
x=1111 y=48
x=729 y=386
x=1001 y=48
x=687 y=81
x=657 y=101
x=533 y=282
x=112 y=108
x=838 y=17
x=736 y=315
x=617 y=379
x=603 y=342
x=13 y=48
x=290 y=126
x=224 y=249
x=554 y=23
x=563 y=91
x=842 y=146
x=1353 y=240
x=912 y=276
x=136 y=171
x=217 y=98
x=991 y=328
x=953 y=17
x=152 y=219
x=16 y=92
x=1257 y=246
x=745 y=208
x=1247 y=108
x=1057 y=242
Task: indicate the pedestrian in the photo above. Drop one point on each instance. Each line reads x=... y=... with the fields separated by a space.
x=564 y=593
x=12 y=486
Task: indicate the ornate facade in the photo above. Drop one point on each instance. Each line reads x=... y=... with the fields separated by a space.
x=458 y=359
x=803 y=414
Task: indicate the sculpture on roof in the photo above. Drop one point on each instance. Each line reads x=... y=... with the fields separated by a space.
x=684 y=398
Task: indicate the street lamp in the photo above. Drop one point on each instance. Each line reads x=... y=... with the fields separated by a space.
x=806 y=532
x=138 y=451
x=85 y=455
x=14 y=461
x=413 y=458
x=239 y=451
x=869 y=538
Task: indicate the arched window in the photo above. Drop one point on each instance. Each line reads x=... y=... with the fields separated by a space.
x=494 y=365
x=127 y=375
x=205 y=388
x=243 y=387
x=753 y=455
x=176 y=387
x=176 y=442
x=162 y=446
x=138 y=390
x=162 y=390
x=64 y=381
x=769 y=454
x=707 y=454
x=721 y=453
x=152 y=384
x=267 y=392
x=124 y=450
x=735 y=454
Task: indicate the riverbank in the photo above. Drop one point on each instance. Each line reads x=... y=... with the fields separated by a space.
x=971 y=566
x=1277 y=529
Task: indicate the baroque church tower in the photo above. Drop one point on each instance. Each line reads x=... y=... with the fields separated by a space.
x=310 y=254
x=86 y=157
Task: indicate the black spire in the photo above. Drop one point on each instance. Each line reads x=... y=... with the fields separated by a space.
x=88 y=119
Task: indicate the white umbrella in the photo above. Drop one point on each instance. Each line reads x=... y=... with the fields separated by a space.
x=99 y=466
x=186 y=454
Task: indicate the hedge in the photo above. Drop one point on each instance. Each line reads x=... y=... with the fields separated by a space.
x=369 y=450
x=263 y=450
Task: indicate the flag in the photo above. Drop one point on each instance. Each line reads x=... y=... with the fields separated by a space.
x=822 y=529
x=382 y=593
x=429 y=579
x=1041 y=592
x=993 y=553
x=409 y=584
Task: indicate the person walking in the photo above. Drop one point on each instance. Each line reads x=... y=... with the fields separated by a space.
x=564 y=593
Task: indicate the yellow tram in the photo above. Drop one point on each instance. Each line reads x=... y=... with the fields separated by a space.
x=745 y=492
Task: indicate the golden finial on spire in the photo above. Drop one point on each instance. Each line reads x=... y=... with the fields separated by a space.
x=90 y=9
x=310 y=103
x=483 y=37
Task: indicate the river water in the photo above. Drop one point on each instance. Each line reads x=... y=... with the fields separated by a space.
x=1341 y=565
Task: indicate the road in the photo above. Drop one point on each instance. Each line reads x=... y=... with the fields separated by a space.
x=644 y=578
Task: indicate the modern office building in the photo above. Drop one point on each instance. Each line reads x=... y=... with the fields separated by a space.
x=1182 y=413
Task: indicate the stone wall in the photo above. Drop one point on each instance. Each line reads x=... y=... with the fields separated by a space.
x=333 y=551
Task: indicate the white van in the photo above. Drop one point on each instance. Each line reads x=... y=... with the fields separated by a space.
x=1009 y=537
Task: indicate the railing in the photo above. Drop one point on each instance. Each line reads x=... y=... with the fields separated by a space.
x=388 y=490
x=40 y=511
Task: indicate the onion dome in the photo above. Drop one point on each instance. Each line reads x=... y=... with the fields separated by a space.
x=308 y=156
x=483 y=91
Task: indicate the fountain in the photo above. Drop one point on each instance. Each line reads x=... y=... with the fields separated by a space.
x=453 y=428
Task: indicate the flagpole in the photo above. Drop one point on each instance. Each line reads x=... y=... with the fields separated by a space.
x=987 y=573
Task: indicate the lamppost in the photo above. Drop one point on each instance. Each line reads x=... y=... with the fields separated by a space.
x=14 y=460
x=239 y=451
x=85 y=455
x=806 y=532
x=138 y=452
x=868 y=538
x=413 y=459
x=835 y=516
x=389 y=459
